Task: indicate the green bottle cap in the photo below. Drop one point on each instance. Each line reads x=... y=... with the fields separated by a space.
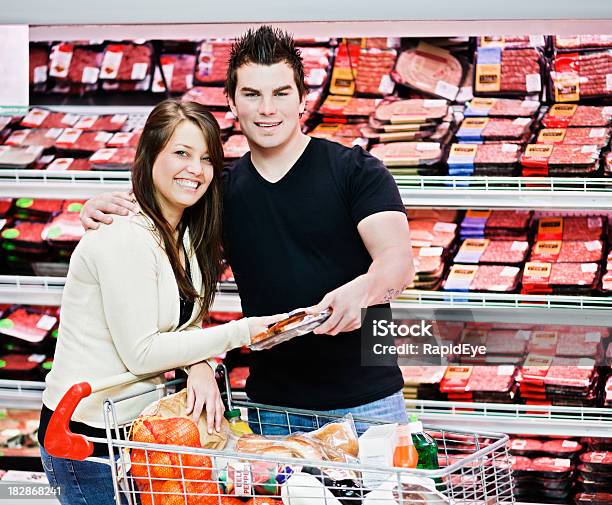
x=232 y=414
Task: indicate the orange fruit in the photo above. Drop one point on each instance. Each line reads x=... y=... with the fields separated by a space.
x=173 y=493
x=148 y=498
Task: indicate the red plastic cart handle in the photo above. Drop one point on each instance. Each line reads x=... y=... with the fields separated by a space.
x=59 y=440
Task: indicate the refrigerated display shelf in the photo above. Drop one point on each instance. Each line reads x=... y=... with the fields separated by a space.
x=515 y=419
x=506 y=192
x=15 y=394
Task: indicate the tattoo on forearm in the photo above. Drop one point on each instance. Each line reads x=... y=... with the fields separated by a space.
x=390 y=295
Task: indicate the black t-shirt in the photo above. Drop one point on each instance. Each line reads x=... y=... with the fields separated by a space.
x=291 y=242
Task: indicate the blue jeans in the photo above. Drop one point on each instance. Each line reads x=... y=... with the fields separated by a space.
x=79 y=482
x=391 y=409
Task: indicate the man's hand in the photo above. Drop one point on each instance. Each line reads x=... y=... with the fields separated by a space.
x=99 y=209
x=346 y=303
x=203 y=392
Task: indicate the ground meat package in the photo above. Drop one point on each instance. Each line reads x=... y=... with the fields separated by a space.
x=412 y=111
x=563 y=115
x=399 y=155
x=374 y=72
x=560 y=160
x=485 y=129
x=113 y=158
x=584 y=75
x=19 y=157
x=488 y=278
x=422 y=382
x=39 y=65
x=110 y=123
x=77 y=64
x=501 y=107
x=483 y=159
x=43 y=137
x=63 y=164
x=577 y=373
x=511 y=41
x=210 y=96
x=348 y=107
x=27 y=325
x=235 y=147
x=446 y=215
x=576 y=136
x=504 y=252
x=567 y=251
x=126 y=62
x=508 y=71
x=574 y=42
x=316 y=65
x=507 y=342
x=586 y=228
x=213 y=59
x=429 y=267
x=36 y=209
x=177 y=71
x=124 y=139
x=560 y=278
x=24 y=237
x=496 y=224
x=43 y=118
x=430 y=233
x=73 y=139
x=20 y=366
x=430 y=69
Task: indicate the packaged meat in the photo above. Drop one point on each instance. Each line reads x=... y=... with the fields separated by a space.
x=209 y=96
x=235 y=147
x=431 y=69
x=575 y=42
x=20 y=366
x=508 y=219
x=238 y=377
x=501 y=107
x=563 y=115
x=561 y=448
x=374 y=71
x=405 y=132
x=113 y=158
x=476 y=129
x=577 y=136
x=508 y=71
x=416 y=375
x=483 y=159
x=446 y=215
x=62 y=164
x=406 y=154
x=567 y=251
x=426 y=233
x=19 y=157
x=73 y=139
x=492 y=251
x=558 y=371
x=36 y=208
x=115 y=86
x=43 y=137
x=597 y=461
x=213 y=60
x=27 y=325
x=584 y=75
x=39 y=65
x=24 y=236
x=345 y=66
x=593 y=498
x=560 y=159
x=411 y=111
x=585 y=345
x=43 y=118
x=126 y=62
x=78 y=64
x=496 y=278
x=541 y=277
x=525 y=446
x=347 y=106
x=316 y=65
x=516 y=41
x=110 y=123
x=586 y=228
x=124 y=139
x=177 y=71
x=507 y=342
x=66 y=228
x=496 y=379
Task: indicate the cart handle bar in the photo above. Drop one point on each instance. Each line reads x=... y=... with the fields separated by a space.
x=59 y=440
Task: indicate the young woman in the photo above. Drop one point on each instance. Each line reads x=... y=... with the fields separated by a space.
x=138 y=290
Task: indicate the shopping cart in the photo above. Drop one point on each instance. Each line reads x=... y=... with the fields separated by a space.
x=475 y=468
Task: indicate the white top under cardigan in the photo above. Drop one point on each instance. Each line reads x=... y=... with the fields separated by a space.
x=120 y=312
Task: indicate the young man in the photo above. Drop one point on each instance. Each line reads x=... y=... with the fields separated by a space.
x=308 y=223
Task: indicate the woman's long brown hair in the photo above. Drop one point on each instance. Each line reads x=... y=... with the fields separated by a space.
x=203 y=218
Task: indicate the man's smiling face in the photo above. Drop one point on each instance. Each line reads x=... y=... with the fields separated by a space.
x=268 y=104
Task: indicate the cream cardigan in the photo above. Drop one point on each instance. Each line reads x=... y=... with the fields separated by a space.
x=120 y=312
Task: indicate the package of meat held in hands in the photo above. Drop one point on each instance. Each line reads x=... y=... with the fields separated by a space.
x=560 y=160
x=501 y=107
x=26 y=324
x=126 y=61
x=43 y=118
x=563 y=115
x=567 y=251
x=599 y=136
x=466 y=159
x=581 y=75
x=74 y=63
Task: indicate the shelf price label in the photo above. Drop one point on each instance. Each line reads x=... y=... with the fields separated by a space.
x=14 y=70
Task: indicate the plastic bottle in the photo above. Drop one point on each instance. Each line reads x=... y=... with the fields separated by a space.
x=237 y=426
x=405 y=455
x=426 y=447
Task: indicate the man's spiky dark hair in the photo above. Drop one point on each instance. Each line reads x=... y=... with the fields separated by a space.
x=265 y=46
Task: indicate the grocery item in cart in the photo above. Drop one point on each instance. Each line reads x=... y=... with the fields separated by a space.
x=577 y=136
x=43 y=137
x=213 y=60
x=483 y=159
x=496 y=278
x=126 y=62
x=563 y=115
x=501 y=107
x=560 y=159
x=113 y=158
x=177 y=71
x=298 y=323
x=583 y=75
x=210 y=96
x=487 y=129
x=492 y=251
x=72 y=139
x=507 y=71
x=430 y=69
x=567 y=251
x=110 y=123
x=19 y=157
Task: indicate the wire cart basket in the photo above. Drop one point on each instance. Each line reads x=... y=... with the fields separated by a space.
x=475 y=468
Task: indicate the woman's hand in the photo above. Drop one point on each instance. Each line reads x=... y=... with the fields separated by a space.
x=260 y=324
x=202 y=391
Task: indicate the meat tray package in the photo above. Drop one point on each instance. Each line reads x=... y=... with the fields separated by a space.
x=573 y=375
x=43 y=118
x=316 y=65
x=597 y=461
x=24 y=236
x=126 y=62
x=446 y=215
x=429 y=267
x=488 y=278
x=19 y=157
x=567 y=251
x=508 y=71
x=77 y=64
x=235 y=147
x=501 y=107
x=485 y=129
x=414 y=110
x=115 y=86
x=124 y=139
x=586 y=228
x=73 y=139
x=113 y=158
x=213 y=59
x=177 y=71
x=63 y=164
x=210 y=96
x=374 y=72
x=430 y=69
x=398 y=155
x=483 y=159
x=579 y=76
x=593 y=498
x=563 y=115
x=109 y=123
x=65 y=229
x=27 y=325
x=36 y=209
x=512 y=41
x=495 y=381
x=575 y=136
x=39 y=65
x=573 y=43
x=561 y=278
x=348 y=107
x=507 y=342
x=431 y=233
x=379 y=132
x=475 y=251
x=43 y=137
x=542 y=160
x=20 y=366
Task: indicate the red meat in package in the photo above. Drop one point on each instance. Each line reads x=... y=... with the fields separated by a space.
x=177 y=71
x=213 y=60
x=238 y=377
x=66 y=227
x=476 y=129
x=567 y=251
x=541 y=277
x=316 y=65
x=73 y=139
x=456 y=379
x=426 y=233
x=374 y=72
x=492 y=251
x=24 y=232
x=78 y=64
x=415 y=375
x=235 y=147
x=20 y=366
x=495 y=278
x=507 y=342
x=27 y=325
x=44 y=207
x=43 y=137
x=562 y=115
x=209 y=96
x=576 y=76
x=113 y=158
x=498 y=379
x=63 y=164
x=110 y=123
x=347 y=106
x=43 y=118
x=560 y=159
x=574 y=42
x=559 y=371
x=124 y=139
x=576 y=136
x=39 y=65
x=126 y=62
x=586 y=228
x=501 y=107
